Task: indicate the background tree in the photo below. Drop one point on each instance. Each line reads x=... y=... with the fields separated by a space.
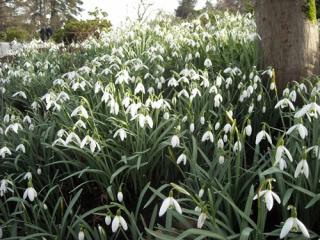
x=185 y=8
x=289 y=38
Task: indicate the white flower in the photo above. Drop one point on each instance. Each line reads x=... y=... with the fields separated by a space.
x=302 y=168
x=217 y=100
x=296 y=224
x=217 y=126
x=220 y=143
x=80 y=111
x=221 y=159
x=39 y=171
x=283 y=103
x=30 y=193
x=279 y=158
x=191 y=127
x=202 y=120
x=14 y=127
x=4 y=151
x=120 y=196
x=122 y=134
x=4 y=187
x=311 y=110
x=248 y=130
x=80 y=124
x=263 y=135
x=118 y=221
x=237 y=147
x=81 y=235
x=139 y=88
x=201 y=192
x=73 y=137
x=92 y=143
x=303 y=132
x=268 y=195
x=207 y=136
x=227 y=128
x=182 y=159
x=202 y=218
x=107 y=220
x=169 y=202
x=207 y=63
x=175 y=141
x=166 y=115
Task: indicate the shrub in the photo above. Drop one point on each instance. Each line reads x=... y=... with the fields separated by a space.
x=16 y=33
x=77 y=31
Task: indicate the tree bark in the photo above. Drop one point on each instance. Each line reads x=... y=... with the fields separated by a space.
x=289 y=39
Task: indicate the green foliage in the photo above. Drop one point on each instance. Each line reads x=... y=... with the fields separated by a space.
x=310 y=10
x=16 y=33
x=186 y=8
x=77 y=31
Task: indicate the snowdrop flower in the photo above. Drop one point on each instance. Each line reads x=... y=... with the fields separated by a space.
x=80 y=111
x=92 y=143
x=118 y=221
x=259 y=98
x=221 y=159
x=81 y=235
x=263 y=135
x=302 y=168
x=227 y=128
x=294 y=224
x=182 y=159
x=4 y=187
x=73 y=137
x=122 y=76
x=248 y=130
x=4 y=151
x=207 y=63
x=202 y=120
x=173 y=82
x=107 y=220
x=39 y=171
x=217 y=100
x=207 y=136
x=311 y=109
x=30 y=192
x=143 y=120
x=120 y=196
x=14 y=127
x=169 y=202
x=303 y=132
x=122 y=134
x=201 y=192
x=237 y=147
x=98 y=87
x=220 y=143
x=175 y=141
x=268 y=196
x=283 y=103
x=217 y=126
x=80 y=124
x=201 y=219
x=139 y=88
x=191 y=128
x=282 y=152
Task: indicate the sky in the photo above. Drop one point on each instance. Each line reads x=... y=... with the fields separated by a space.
x=119 y=10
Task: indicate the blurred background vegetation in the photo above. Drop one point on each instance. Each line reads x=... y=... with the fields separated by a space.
x=22 y=20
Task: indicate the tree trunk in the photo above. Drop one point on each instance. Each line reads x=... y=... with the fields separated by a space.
x=289 y=39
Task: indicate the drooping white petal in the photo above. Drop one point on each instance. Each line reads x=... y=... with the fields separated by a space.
x=164 y=207
x=303 y=228
x=123 y=223
x=276 y=197
x=269 y=200
x=115 y=223
x=201 y=220
x=286 y=227
x=177 y=206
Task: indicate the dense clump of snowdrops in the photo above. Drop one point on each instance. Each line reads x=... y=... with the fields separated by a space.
x=163 y=130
